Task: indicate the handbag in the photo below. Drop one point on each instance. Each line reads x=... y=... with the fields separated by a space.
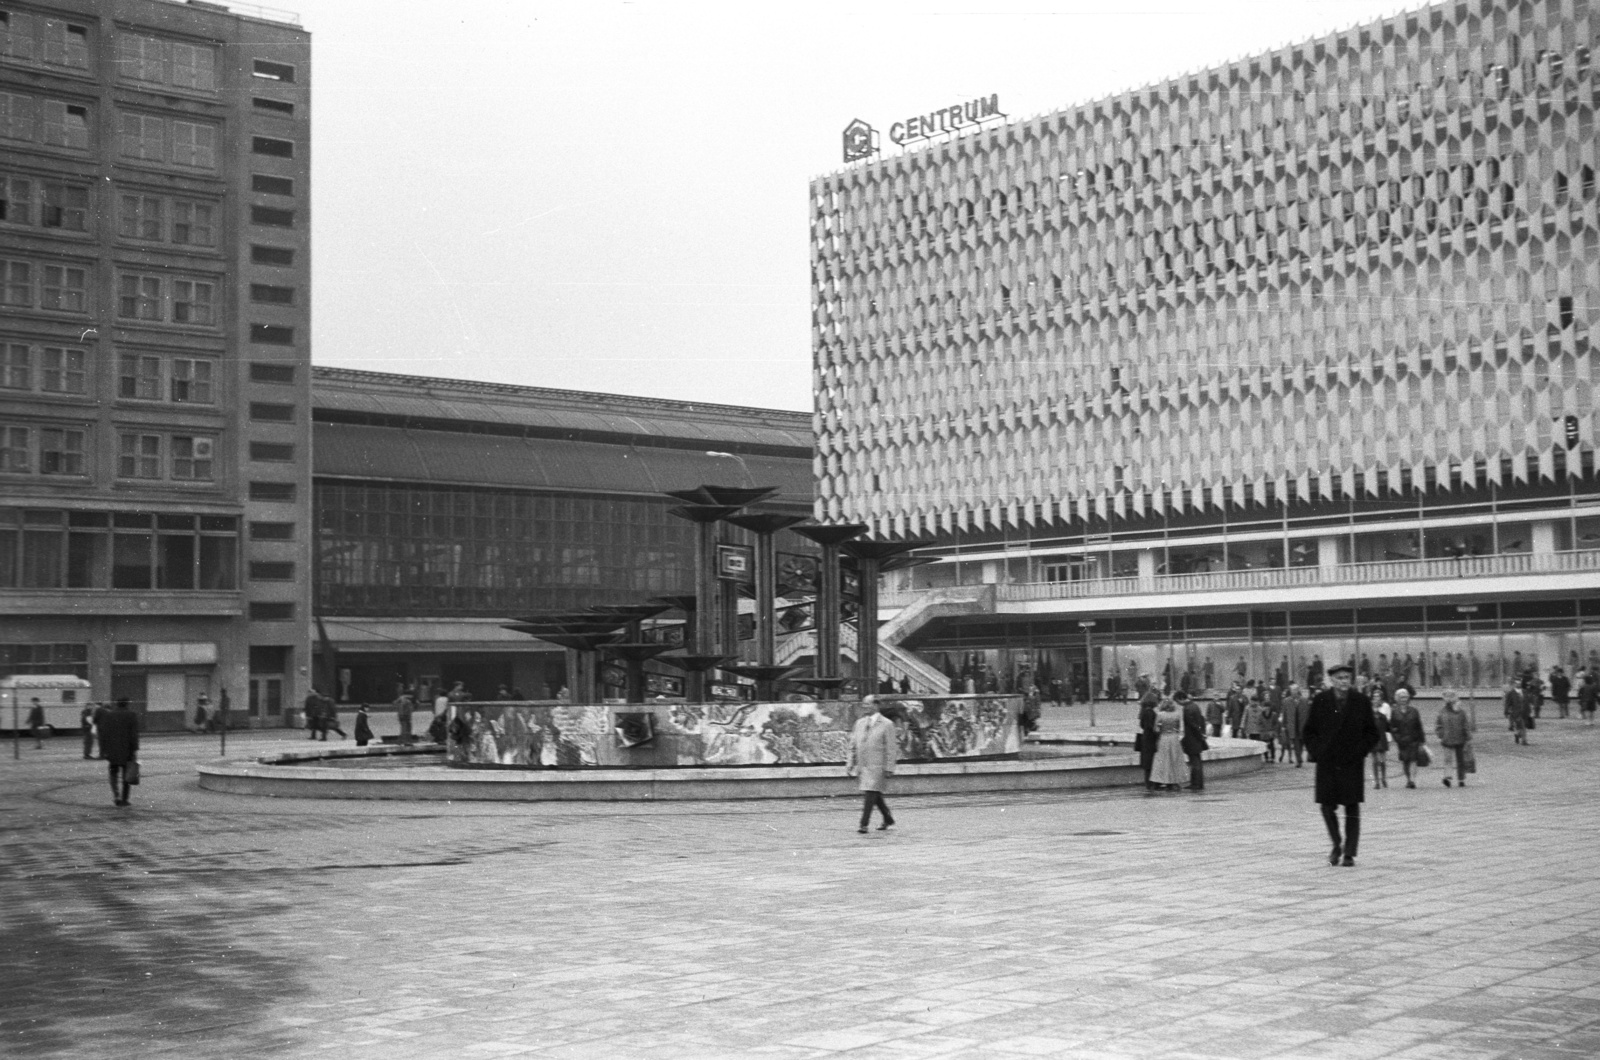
x=130 y=773
x=1424 y=756
x=1138 y=742
x=1469 y=761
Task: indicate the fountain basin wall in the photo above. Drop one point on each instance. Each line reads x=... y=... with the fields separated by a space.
x=296 y=775
x=667 y=735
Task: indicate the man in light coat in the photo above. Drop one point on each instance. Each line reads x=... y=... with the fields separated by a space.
x=873 y=752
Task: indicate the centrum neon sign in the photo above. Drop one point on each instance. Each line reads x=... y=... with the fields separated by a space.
x=946 y=120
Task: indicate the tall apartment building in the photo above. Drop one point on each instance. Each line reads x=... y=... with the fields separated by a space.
x=1280 y=363
x=154 y=350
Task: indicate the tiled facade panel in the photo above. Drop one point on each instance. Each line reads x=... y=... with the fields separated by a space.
x=1361 y=265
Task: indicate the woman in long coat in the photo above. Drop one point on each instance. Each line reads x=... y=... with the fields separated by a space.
x=871 y=757
x=1169 y=769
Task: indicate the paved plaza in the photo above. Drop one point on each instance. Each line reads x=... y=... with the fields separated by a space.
x=1096 y=924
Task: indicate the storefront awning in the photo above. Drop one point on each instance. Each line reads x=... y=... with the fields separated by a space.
x=400 y=635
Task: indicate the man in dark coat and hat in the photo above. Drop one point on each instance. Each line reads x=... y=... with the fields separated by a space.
x=1339 y=733
x=119 y=745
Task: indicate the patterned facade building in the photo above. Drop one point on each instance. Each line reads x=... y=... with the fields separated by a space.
x=154 y=351
x=1280 y=322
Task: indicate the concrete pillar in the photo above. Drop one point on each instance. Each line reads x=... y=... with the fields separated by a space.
x=1544 y=538
x=1327 y=552
x=1147 y=564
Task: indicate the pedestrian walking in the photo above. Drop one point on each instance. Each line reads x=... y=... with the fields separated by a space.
x=1339 y=734
x=36 y=722
x=1588 y=696
x=1194 y=743
x=119 y=746
x=404 y=706
x=1167 y=771
x=363 y=727
x=1380 y=750
x=330 y=718
x=1561 y=691
x=871 y=757
x=86 y=725
x=1454 y=729
x=1291 y=726
x=311 y=709
x=202 y=712
x=1406 y=729
x=1214 y=715
x=1516 y=711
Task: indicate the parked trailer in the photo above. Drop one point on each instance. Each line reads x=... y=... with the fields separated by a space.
x=61 y=695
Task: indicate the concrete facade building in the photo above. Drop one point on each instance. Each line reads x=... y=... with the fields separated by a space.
x=1281 y=363
x=155 y=351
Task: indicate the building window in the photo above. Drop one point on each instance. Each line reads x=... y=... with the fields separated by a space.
x=35 y=38
x=272 y=491
x=272 y=334
x=271 y=452
x=139 y=377
x=277 y=106
x=164 y=62
x=194 y=145
x=271 y=571
x=64 y=206
x=141 y=216
x=266 y=145
x=193 y=223
x=263 y=611
x=266 y=412
x=16 y=283
x=60 y=451
x=194 y=66
x=139 y=297
x=16 y=449
x=193 y=302
x=139 y=456
x=271 y=218
x=191 y=381
x=16 y=366
x=16 y=200
x=271 y=255
x=64 y=287
x=267 y=294
x=271 y=71
x=141 y=58
x=272 y=531
x=120 y=550
x=61 y=371
x=66 y=125
x=261 y=372
x=271 y=185
x=143 y=137
x=192 y=458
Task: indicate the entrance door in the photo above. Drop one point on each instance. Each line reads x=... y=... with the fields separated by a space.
x=266 y=697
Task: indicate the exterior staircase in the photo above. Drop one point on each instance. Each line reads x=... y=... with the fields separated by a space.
x=894 y=662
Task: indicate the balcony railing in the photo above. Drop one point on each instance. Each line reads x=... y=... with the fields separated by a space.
x=1287 y=577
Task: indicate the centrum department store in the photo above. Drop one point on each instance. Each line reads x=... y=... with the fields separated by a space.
x=1274 y=365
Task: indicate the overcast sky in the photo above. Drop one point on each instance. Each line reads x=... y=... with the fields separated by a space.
x=612 y=196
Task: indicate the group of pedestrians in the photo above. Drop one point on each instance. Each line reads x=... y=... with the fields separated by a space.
x=321 y=715
x=1172 y=742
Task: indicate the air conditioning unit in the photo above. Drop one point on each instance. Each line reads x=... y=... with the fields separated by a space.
x=203 y=448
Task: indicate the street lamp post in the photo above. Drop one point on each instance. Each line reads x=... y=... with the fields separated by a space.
x=1088 y=663
x=1467 y=611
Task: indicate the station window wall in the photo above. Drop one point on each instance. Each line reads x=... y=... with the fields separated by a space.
x=395 y=550
x=1429 y=648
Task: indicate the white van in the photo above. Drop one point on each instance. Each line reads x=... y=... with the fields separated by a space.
x=61 y=695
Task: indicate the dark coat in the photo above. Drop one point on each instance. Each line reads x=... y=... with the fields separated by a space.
x=119 y=736
x=1339 y=740
x=1194 y=729
x=1147 y=733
